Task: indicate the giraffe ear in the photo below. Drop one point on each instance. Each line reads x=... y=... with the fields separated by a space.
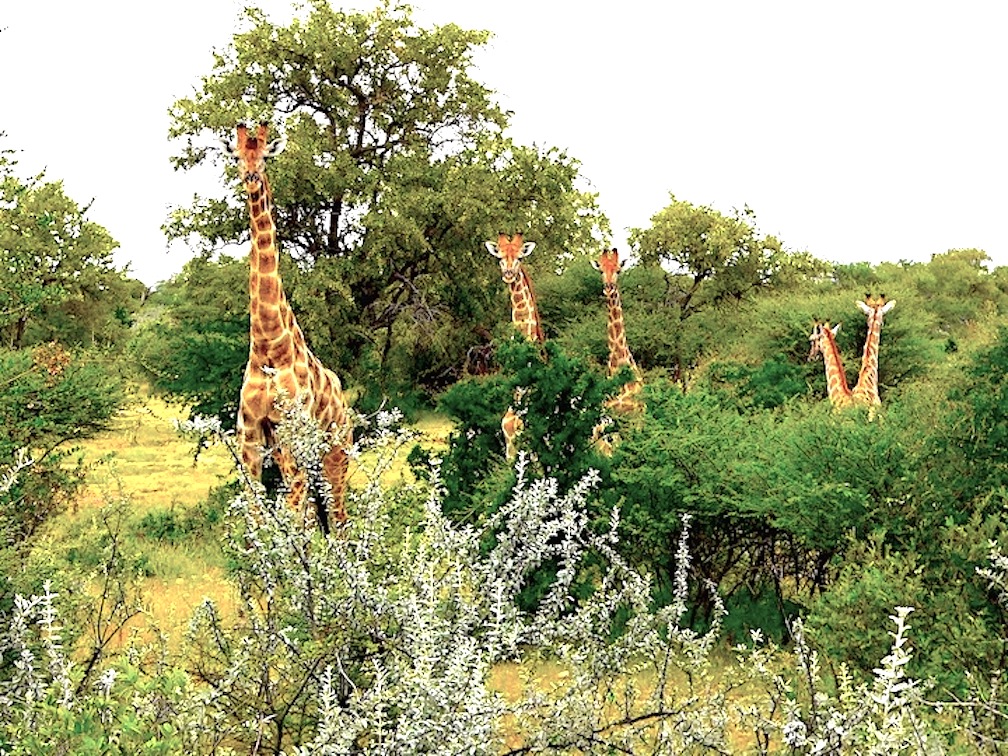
x=275 y=147
x=888 y=306
x=492 y=248
x=527 y=248
x=835 y=329
x=594 y=264
x=863 y=307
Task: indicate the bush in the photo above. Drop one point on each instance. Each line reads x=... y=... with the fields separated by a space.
x=50 y=398
x=381 y=640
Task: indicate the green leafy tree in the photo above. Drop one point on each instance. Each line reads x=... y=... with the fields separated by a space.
x=49 y=400
x=560 y=401
x=712 y=257
x=395 y=172
x=57 y=265
x=194 y=342
x=711 y=260
x=982 y=428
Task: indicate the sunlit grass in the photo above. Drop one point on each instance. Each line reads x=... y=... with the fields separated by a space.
x=144 y=461
x=150 y=463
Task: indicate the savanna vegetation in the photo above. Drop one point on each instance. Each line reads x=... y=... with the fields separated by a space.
x=747 y=571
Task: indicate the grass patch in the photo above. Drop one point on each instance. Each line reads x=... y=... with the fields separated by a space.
x=177 y=502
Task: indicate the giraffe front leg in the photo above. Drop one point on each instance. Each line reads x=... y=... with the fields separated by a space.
x=252 y=439
x=511 y=426
x=296 y=482
x=334 y=467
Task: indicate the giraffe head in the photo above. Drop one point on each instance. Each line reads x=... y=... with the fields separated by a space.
x=873 y=307
x=609 y=265
x=252 y=151
x=510 y=250
x=821 y=338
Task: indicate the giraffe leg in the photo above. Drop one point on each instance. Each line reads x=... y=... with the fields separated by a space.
x=252 y=438
x=334 y=467
x=601 y=439
x=296 y=482
x=511 y=426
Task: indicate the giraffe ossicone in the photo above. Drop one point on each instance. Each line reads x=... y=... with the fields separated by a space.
x=280 y=364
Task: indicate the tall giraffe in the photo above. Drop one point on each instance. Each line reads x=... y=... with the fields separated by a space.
x=277 y=345
x=510 y=250
x=866 y=389
x=823 y=339
x=627 y=400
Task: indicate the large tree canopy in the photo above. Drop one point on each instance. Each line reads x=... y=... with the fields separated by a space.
x=396 y=169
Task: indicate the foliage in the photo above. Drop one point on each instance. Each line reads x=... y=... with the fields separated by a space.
x=50 y=397
x=713 y=258
x=196 y=345
x=361 y=644
x=887 y=715
x=59 y=282
x=984 y=429
x=56 y=699
x=559 y=399
x=396 y=171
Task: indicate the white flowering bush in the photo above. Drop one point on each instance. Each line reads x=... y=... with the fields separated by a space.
x=810 y=712
x=393 y=639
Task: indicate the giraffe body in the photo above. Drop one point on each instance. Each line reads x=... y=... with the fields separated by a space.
x=866 y=390
x=823 y=340
x=280 y=361
x=510 y=250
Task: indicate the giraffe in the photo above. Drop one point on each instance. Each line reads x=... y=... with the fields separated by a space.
x=626 y=401
x=866 y=389
x=279 y=358
x=510 y=250
x=823 y=340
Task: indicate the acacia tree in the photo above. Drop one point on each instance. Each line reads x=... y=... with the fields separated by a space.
x=711 y=260
x=712 y=257
x=396 y=169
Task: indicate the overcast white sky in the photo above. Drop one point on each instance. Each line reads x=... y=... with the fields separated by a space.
x=858 y=130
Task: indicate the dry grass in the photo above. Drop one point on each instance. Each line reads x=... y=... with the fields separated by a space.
x=142 y=460
x=150 y=464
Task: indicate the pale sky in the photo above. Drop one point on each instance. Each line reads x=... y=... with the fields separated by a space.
x=856 y=130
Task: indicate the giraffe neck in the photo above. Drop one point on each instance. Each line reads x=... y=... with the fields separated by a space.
x=836 y=380
x=866 y=389
x=627 y=400
x=619 y=350
x=524 y=313
x=270 y=314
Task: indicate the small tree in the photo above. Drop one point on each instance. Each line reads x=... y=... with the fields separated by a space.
x=711 y=260
x=196 y=343
x=55 y=260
